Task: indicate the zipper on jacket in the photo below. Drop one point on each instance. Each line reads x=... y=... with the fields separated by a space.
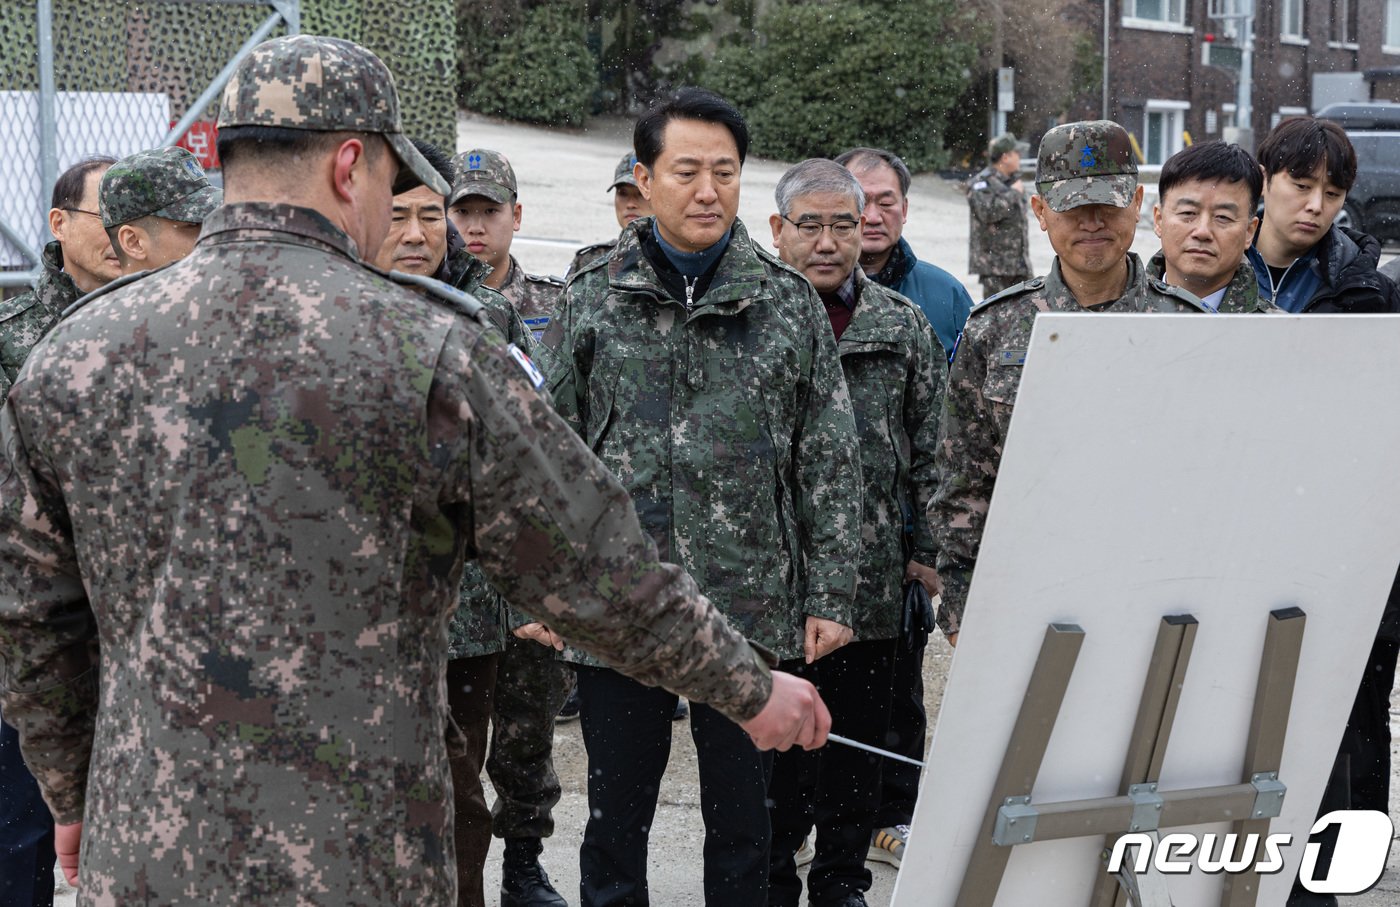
x=690 y=283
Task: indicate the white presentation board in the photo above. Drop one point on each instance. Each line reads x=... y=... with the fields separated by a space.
x=87 y=123
x=1220 y=466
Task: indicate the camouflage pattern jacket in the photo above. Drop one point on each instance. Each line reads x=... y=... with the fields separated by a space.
x=534 y=296
x=1241 y=294
x=478 y=626
x=895 y=369
x=588 y=255
x=466 y=272
x=249 y=481
x=730 y=425
x=997 y=225
x=982 y=385
x=29 y=316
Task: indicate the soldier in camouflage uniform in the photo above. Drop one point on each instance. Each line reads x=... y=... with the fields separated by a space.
x=79 y=260
x=701 y=369
x=628 y=204
x=153 y=204
x=1000 y=251
x=894 y=368
x=1088 y=201
x=226 y=575
x=421 y=242
x=1206 y=198
x=531 y=683
x=484 y=207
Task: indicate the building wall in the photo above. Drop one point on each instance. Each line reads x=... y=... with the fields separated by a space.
x=1160 y=64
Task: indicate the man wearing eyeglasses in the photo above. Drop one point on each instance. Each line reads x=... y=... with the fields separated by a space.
x=79 y=260
x=894 y=368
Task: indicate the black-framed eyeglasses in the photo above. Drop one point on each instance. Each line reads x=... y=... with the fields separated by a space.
x=84 y=211
x=811 y=229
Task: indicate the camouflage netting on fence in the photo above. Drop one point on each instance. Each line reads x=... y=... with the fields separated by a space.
x=177 y=47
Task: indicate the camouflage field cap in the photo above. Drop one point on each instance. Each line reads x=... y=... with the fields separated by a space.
x=622 y=176
x=166 y=182
x=1004 y=143
x=324 y=85
x=1088 y=163
x=485 y=173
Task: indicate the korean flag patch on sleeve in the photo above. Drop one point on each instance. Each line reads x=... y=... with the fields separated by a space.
x=536 y=378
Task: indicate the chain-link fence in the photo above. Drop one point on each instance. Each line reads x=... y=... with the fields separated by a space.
x=112 y=77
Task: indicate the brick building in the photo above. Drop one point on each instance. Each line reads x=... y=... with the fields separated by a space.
x=1160 y=88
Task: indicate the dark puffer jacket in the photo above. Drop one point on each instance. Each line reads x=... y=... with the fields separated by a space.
x=1338 y=275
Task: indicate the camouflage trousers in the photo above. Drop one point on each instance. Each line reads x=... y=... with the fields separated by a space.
x=531 y=686
x=993 y=284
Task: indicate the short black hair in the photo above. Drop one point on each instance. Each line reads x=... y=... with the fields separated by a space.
x=1215 y=160
x=437 y=160
x=68 y=188
x=152 y=224
x=862 y=159
x=239 y=144
x=1299 y=144
x=687 y=104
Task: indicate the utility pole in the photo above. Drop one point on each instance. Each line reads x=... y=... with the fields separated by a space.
x=1107 y=10
x=1240 y=14
x=998 y=118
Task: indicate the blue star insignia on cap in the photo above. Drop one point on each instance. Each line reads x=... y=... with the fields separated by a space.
x=1086 y=157
x=474 y=162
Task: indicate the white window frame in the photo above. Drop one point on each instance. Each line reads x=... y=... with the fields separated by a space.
x=1341 y=15
x=1172 y=20
x=1390 y=42
x=1228 y=119
x=1173 y=115
x=1284 y=112
x=1292 y=22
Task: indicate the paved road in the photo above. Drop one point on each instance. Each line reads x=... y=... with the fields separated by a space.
x=563 y=178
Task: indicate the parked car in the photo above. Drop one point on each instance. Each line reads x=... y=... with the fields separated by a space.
x=1373 y=204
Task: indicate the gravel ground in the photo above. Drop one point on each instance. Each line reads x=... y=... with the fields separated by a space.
x=562 y=177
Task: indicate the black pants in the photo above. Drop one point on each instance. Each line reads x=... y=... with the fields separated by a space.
x=1361 y=774
x=471 y=684
x=835 y=787
x=899 y=781
x=627 y=733
x=26 y=831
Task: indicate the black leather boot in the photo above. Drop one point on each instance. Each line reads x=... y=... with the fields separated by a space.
x=524 y=883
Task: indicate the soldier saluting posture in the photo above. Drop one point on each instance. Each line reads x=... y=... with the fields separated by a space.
x=248 y=483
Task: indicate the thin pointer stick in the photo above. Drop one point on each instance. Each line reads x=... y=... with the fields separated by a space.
x=846 y=741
